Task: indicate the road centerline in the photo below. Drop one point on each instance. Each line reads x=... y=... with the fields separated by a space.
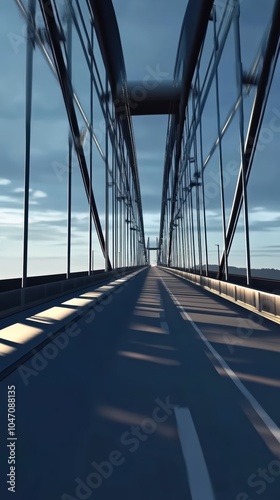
x=198 y=476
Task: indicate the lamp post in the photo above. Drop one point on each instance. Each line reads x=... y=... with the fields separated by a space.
x=218 y=246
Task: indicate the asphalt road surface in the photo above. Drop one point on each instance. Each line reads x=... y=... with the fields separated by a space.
x=162 y=391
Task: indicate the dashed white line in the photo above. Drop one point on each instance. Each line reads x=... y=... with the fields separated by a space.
x=198 y=476
x=267 y=420
x=164 y=326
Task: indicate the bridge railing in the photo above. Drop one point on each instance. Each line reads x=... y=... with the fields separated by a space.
x=267 y=304
x=18 y=299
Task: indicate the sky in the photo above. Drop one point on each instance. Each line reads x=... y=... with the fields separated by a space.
x=149 y=33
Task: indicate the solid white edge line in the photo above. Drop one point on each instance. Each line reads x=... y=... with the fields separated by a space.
x=164 y=327
x=198 y=476
x=267 y=420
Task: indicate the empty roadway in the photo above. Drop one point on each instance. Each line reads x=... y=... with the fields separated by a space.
x=162 y=391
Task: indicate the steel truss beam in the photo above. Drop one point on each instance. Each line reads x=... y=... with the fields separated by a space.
x=192 y=35
x=176 y=187
x=107 y=32
x=67 y=91
x=265 y=79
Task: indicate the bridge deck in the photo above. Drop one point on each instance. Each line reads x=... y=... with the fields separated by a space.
x=162 y=391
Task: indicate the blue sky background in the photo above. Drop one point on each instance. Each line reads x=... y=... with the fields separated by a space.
x=149 y=33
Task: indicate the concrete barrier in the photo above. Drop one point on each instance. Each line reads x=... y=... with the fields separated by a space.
x=21 y=298
x=266 y=304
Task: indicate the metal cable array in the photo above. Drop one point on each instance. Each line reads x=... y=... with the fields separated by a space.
x=211 y=43
x=122 y=239
x=184 y=231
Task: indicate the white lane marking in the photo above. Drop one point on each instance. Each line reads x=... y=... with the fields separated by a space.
x=163 y=324
x=267 y=420
x=198 y=476
x=164 y=327
x=162 y=313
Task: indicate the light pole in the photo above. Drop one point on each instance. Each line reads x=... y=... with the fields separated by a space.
x=92 y=261
x=217 y=245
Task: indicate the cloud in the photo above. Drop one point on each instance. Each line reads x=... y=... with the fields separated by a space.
x=8 y=199
x=14 y=216
x=4 y=182
x=39 y=194
x=143 y=32
x=11 y=217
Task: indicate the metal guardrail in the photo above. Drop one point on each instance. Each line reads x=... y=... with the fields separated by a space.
x=267 y=304
x=262 y=284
